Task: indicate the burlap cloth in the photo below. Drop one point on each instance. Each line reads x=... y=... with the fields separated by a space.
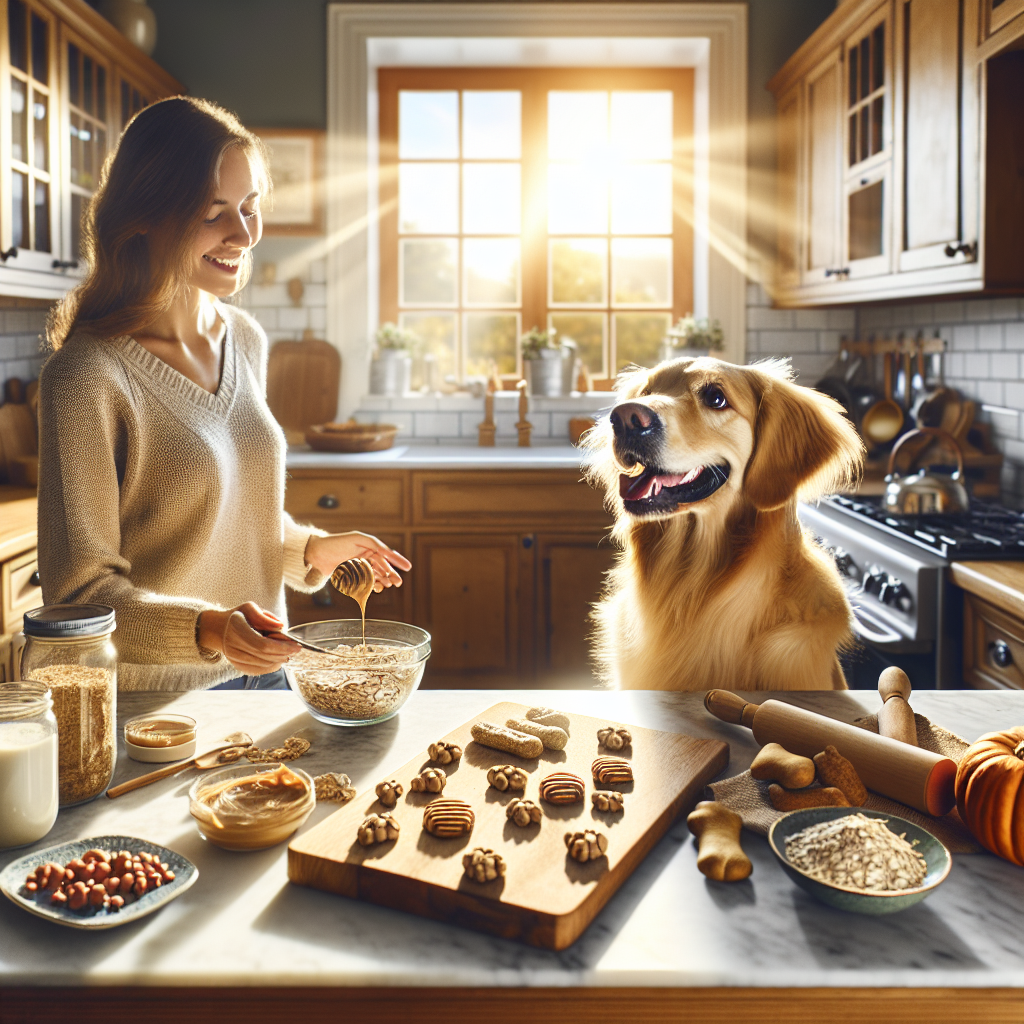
x=748 y=797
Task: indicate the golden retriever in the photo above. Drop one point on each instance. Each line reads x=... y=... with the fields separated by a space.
x=716 y=583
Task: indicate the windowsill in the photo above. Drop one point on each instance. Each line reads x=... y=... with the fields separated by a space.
x=504 y=401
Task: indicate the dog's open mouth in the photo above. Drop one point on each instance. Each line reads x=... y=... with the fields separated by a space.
x=655 y=491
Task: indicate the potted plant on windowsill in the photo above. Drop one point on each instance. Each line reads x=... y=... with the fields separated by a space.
x=391 y=366
x=692 y=337
x=548 y=365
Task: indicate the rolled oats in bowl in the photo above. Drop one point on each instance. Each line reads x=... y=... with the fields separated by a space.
x=364 y=685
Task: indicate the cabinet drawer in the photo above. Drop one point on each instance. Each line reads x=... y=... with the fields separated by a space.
x=993 y=646
x=337 y=500
x=524 y=499
x=19 y=590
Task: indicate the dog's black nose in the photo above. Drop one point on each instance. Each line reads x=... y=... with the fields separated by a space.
x=634 y=420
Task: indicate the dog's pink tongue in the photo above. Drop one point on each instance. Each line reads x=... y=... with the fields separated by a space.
x=635 y=488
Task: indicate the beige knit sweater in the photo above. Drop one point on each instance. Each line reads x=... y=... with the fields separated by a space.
x=163 y=500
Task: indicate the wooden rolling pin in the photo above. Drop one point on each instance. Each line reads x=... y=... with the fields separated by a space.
x=895 y=716
x=909 y=774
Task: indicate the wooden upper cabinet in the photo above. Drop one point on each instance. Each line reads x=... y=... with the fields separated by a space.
x=824 y=154
x=66 y=78
x=789 y=233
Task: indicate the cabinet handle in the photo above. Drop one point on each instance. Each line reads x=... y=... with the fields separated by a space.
x=969 y=249
x=837 y=271
x=9 y=253
x=328 y=501
x=33 y=580
x=64 y=264
x=1001 y=653
x=527 y=542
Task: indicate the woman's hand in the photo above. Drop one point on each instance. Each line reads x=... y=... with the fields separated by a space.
x=327 y=553
x=237 y=634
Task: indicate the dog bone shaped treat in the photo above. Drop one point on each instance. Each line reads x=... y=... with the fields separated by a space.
x=588 y=845
x=614 y=739
x=719 y=854
x=835 y=770
x=611 y=769
x=444 y=753
x=430 y=780
x=523 y=813
x=506 y=776
x=798 y=799
x=550 y=735
x=612 y=802
x=548 y=716
x=377 y=828
x=389 y=792
x=498 y=737
x=448 y=818
x=774 y=763
x=562 y=788
x=483 y=865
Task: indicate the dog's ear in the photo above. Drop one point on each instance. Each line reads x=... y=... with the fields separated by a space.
x=804 y=446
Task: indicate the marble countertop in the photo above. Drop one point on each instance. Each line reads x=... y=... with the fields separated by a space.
x=442 y=456
x=244 y=924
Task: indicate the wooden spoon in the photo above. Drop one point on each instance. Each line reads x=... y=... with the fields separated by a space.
x=883 y=421
x=227 y=751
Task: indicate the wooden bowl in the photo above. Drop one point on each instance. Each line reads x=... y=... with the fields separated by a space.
x=351 y=437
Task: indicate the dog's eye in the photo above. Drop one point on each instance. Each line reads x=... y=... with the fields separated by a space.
x=714 y=397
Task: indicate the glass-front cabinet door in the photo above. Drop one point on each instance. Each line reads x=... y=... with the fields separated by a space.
x=30 y=171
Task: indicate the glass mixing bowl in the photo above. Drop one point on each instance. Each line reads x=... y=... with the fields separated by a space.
x=367 y=686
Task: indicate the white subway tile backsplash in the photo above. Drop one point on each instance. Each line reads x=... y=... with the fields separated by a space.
x=976 y=365
x=293 y=318
x=318 y=271
x=965 y=336
x=764 y=318
x=1004 y=365
x=266 y=295
x=266 y=317
x=990 y=337
x=810 y=319
x=436 y=424
x=1013 y=335
x=318 y=318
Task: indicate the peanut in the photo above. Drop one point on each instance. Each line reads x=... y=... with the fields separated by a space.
x=776 y=764
x=78 y=896
x=835 y=770
x=719 y=854
x=797 y=800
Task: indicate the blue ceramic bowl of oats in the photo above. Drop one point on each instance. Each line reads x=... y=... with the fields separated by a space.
x=859 y=864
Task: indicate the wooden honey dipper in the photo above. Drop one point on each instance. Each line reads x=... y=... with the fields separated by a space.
x=354 y=578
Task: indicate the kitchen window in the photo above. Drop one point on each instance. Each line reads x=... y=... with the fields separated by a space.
x=513 y=198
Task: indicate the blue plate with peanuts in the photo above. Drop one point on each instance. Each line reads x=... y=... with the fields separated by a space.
x=97 y=883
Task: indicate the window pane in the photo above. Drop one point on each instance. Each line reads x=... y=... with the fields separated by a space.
x=19 y=210
x=428 y=198
x=638 y=338
x=492 y=271
x=428 y=125
x=491 y=125
x=490 y=199
x=588 y=330
x=77 y=213
x=429 y=271
x=42 y=202
x=642 y=271
x=87 y=90
x=865 y=213
x=101 y=92
x=40 y=54
x=578 y=271
x=17 y=27
x=126 y=104
x=491 y=337
x=436 y=335
x=74 y=74
x=76 y=150
x=642 y=199
x=642 y=125
x=19 y=123
x=577 y=125
x=40 y=131
x=577 y=199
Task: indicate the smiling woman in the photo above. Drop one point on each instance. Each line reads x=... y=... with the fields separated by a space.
x=161 y=481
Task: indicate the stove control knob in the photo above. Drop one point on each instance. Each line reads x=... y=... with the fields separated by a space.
x=845 y=564
x=897 y=595
x=1001 y=653
x=875 y=580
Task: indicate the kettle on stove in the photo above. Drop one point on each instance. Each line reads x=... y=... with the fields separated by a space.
x=924 y=492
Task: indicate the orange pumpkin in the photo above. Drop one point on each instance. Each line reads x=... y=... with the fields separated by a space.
x=990 y=792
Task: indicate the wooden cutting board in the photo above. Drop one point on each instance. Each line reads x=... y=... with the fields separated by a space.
x=302 y=384
x=546 y=898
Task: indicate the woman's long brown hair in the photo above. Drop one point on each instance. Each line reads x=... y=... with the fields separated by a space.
x=137 y=235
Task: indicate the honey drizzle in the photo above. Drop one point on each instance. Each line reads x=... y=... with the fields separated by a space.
x=354 y=578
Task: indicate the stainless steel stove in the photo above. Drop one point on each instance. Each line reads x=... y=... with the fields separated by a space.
x=906 y=612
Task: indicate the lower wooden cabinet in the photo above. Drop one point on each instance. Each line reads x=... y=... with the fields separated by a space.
x=993 y=646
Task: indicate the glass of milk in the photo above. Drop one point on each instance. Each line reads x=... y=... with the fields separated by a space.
x=28 y=764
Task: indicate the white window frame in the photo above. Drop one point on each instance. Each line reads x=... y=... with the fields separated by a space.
x=362 y=37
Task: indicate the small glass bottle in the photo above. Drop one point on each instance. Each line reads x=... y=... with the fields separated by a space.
x=28 y=764
x=68 y=648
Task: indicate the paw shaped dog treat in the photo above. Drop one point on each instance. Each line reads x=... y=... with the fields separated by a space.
x=550 y=735
x=506 y=776
x=612 y=802
x=548 y=716
x=588 y=845
x=611 y=769
x=498 y=737
x=389 y=792
x=523 y=813
x=614 y=739
x=430 y=780
x=562 y=788
x=447 y=819
x=444 y=753
x=483 y=865
x=378 y=828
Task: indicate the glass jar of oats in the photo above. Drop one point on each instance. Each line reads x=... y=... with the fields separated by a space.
x=68 y=648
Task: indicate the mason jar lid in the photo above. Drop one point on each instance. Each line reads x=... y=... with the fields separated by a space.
x=68 y=621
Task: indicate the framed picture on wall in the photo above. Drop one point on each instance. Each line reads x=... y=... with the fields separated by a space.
x=297 y=169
